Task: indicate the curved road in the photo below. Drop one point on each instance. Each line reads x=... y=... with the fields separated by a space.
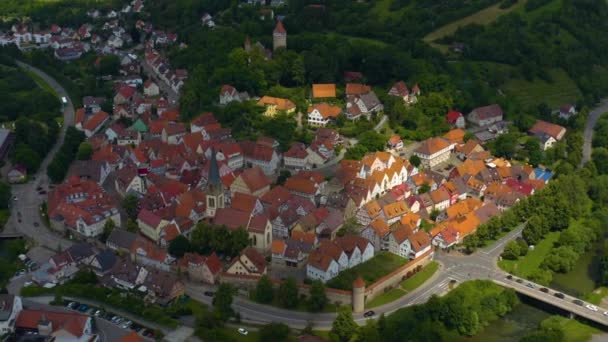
x=594 y=115
x=480 y=265
x=28 y=201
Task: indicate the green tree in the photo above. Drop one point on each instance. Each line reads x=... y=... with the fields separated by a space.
x=561 y=259
x=344 y=326
x=369 y=333
x=27 y=157
x=239 y=240
x=318 y=300
x=132 y=226
x=424 y=188
x=274 y=332
x=108 y=227
x=179 y=246
x=85 y=150
x=535 y=154
x=222 y=302
x=512 y=251
x=505 y=145
x=131 y=205
x=600 y=158
x=5 y=195
x=288 y=293
x=264 y=291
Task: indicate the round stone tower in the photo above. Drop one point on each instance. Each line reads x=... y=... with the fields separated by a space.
x=358 y=295
x=279 y=36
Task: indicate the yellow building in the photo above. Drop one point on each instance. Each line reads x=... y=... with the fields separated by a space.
x=275 y=104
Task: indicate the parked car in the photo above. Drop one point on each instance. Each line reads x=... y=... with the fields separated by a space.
x=73 y=305
x=559 y=295
x=83 y=308
x=98 y=313
x=369 y=313
x=591 y=307
x=36 y=224
x=27 y=283
x=126 y=325
x=243 y=331
x=209 y=293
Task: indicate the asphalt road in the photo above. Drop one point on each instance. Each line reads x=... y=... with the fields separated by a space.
x=594 y=115
x=28 y=200
x=453 y=267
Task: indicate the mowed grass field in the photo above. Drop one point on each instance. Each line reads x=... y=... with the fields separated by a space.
x=562 y=90
x=482 y=17
x=406 y=286
x=373 y=269
x=529 y=264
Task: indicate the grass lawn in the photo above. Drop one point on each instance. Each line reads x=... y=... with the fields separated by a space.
x=574 y=331
x=231 y=334
x=322 y=334
x=561 y=90
x=302 y=305
x=406 y=286
x=419 y=278
x=597 y=295
x=386 y=298
x=375 y=268
x=41 y=83
x=529 y=264
x=483 y=17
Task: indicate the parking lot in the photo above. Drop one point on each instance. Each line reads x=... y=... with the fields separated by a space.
x=109 y=319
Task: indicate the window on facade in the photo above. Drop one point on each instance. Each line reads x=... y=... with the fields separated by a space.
x=211 y=202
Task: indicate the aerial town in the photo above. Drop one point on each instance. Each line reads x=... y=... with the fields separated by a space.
x=158 y=215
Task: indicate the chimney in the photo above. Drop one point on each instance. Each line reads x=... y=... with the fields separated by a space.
x=45 y=327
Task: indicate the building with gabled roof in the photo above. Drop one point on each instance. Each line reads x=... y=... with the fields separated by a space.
x=249 y=262
x=323 y=90
x=434 y=151
x=55 y=325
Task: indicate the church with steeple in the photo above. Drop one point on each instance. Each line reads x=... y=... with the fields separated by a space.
x=215 y=188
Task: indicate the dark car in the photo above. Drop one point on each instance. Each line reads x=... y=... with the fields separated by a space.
x=509 y=277
x=578 y=302
x=36 y=224
x=519 y=281
x=369 y=313
x=559 y=295
x=530 y=285
x=83 y=308
x=544 y=289
x=209 y=293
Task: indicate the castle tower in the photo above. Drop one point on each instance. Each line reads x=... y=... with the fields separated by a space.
x=215 y=189
x=358 y=295
x=279 y=37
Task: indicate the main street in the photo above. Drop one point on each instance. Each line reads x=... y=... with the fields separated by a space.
x=28 y=201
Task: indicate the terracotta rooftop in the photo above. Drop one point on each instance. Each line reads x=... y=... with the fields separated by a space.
x=323 y=90
x=431 y=146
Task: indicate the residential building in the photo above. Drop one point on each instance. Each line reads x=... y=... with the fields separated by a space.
x=377 y=232
x=320 y=91
x=249 y=262
x=81 y=206
x=434 y=151
x=260 y=155
x=455 y=119
x=275 y=104
x=150 y=224
x=322 y=113
x=229 y=94
x=567 y=111
x=10 y=307
x=17 y=174
x=485 y=116
x=205 y=269
x=251 y=181
x=548 y=133
x=56 y=326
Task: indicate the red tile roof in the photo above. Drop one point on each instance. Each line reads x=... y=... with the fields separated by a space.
x=357 y=89
x=255 y=179
x=453 y=116
x=279 y=28
x=96 y=120
x=72 y=322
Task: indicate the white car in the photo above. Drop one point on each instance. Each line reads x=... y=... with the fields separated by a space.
x=591 y=307
x=243 y=331
x=27 y=283
x=605 y=313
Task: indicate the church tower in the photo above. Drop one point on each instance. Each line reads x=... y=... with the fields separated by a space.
x=215 y=189
x=279 y=37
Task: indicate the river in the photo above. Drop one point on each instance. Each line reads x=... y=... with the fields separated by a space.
x=526 y=317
